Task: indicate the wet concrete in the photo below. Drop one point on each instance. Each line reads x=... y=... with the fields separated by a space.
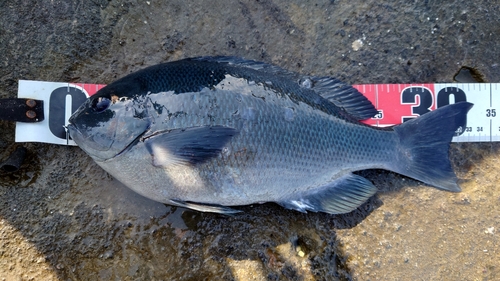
x=63 y=218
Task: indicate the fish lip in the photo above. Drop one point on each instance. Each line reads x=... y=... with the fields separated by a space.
x=71 y=128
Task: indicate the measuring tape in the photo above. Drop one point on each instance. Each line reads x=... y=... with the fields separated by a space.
x=396 y=103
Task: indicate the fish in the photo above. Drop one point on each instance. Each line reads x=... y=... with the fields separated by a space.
x=211 y=133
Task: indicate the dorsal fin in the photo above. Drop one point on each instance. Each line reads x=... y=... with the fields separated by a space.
x=342 y=95
x=339 y=93
x=256 y=65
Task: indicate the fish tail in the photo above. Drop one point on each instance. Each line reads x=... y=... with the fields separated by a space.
x=424 y=144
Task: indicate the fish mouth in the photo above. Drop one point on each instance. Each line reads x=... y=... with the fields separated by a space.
x=72 y=131
x=80 y=139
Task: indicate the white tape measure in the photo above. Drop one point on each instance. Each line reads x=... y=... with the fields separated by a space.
x=395 y=103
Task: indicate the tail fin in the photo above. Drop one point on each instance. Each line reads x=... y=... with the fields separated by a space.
x=424 y=143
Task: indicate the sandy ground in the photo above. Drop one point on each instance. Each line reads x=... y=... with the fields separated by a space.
x=63 y=218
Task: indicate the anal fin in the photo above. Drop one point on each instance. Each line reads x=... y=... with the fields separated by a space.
x=338 y=197
x=205 y=207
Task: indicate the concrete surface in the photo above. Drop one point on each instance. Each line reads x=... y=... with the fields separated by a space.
x=63 y=218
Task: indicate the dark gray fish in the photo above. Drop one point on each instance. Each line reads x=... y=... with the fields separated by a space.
x=211 y=132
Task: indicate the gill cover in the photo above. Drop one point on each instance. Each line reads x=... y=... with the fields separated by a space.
x=107 y=124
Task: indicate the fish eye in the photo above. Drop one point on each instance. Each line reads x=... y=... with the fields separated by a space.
x=100 y=104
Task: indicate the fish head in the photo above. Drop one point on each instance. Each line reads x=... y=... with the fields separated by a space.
x=109 y=123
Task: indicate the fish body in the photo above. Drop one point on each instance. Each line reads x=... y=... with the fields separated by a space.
x=211 y=132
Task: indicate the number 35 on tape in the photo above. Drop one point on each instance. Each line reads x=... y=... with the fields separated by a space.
x=396 y=103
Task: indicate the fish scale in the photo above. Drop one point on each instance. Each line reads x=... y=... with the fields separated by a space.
x=235 y=132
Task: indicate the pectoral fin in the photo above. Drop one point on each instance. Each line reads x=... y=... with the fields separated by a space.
x=340 y=196
x=187 y=146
